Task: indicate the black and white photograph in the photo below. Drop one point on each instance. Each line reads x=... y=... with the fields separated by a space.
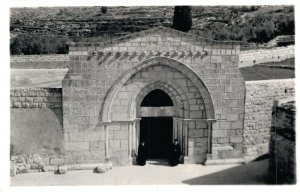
x=152 y=95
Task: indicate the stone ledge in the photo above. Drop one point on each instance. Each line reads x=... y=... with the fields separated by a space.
x=50 y=168
x=222 y=148
x=224 y=161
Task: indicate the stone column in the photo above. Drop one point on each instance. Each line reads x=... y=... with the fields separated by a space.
x=106 y=142
x=129 y=142
x=137 y=134
x=185 y=132
x=179 y=133
x=134 y=137
x=175 y=128
x=209 y=137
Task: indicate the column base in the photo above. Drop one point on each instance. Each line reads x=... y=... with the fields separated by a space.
x=108 y=162
x=185 y=160
x=134 y=160
x=129 y=161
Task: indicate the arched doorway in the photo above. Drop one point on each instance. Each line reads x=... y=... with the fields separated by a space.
x=156 y=125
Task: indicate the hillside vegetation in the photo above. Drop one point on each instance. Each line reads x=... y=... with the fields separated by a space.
x=46 y=30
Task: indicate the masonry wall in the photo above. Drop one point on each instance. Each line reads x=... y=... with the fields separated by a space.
x=260 y=96
x=39 y=61
x=36 y=128
x=35 y=142
x=257 y=56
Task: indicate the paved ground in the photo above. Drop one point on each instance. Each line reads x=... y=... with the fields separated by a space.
x=154 y=173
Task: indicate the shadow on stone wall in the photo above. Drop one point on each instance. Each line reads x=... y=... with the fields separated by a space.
x=282 y=162
x=36 y=129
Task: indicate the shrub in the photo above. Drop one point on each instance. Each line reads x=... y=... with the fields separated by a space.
x=103 y=10
x=32 y=44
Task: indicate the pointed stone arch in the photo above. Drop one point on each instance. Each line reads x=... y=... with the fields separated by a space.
x=177 y=96
x=105 y=115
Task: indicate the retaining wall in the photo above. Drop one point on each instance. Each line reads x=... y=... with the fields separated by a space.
x=253 y=57
x=39 y=61
x=260 y=96
x=36 y=128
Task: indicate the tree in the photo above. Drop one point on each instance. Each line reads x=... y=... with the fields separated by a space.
x=182 y=19
x=286 y=26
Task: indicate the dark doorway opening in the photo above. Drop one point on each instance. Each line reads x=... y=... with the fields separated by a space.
x=157 y=134
x=157 y=98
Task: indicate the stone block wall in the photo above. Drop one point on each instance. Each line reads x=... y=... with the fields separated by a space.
x=290 y=39
x=258 y=56
x=39 y=61
x=36 y=128
x=260 y=96
x=118 y=143
x=197 y=141
x=35 y=98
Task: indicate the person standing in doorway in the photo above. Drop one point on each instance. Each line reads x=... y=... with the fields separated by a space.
x=175 y=153
x=141 y=160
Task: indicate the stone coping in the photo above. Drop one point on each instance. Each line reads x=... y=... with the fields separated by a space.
x=147 y=32
x=269 y=81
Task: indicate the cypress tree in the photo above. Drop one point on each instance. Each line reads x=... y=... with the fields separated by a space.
x=182 y=19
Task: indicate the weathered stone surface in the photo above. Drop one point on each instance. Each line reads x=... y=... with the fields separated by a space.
x=259 y=102
x=77 y=146
x=37 y=159
x=56 y=161
x=36 y=97
x=253 y=57
x=61 y=170
x=103 y=168
x=13 y=169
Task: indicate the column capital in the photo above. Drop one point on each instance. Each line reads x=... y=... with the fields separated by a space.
x=105 y=123
x=198 y=119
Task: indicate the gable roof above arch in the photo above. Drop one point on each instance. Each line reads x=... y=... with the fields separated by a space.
x=154 y=31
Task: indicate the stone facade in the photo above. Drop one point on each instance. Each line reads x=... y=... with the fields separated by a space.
x=107 y=81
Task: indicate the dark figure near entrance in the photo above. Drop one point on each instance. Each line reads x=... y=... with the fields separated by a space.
x=141 y=160
x=175 y=153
